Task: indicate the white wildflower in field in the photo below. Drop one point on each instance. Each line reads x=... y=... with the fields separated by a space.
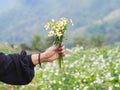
x=22 y=88
x=42 y=88
x=85 y=88
x=71 y=66
x=63 y=78
x=111 y=78
x=60 y=82
x=110 y=88
x=59 y=89
x=116 y=71
x=117 y=85
x=56 y=73
x=54 y=81
x=95 y=63
x=45 y=76
x=98 y=81
x=50 y=88
x=81 y=48
x=119 y=76
x=76 y=75
x=77 y=89
x=108 y=74
x=93 y=58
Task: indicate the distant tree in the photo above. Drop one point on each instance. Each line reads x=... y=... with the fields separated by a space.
x=97 y=41
x=81 y=41
x=48 y=42
x=24 y=46
x=36 y=42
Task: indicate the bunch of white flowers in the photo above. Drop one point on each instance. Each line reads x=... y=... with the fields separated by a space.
x=57 y=30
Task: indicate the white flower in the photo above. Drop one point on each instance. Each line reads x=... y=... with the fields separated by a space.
x=56 y=73
x=117 y=85
x=71 y=22
x=111 y=78
x=63 y=18
x=99 y=81
x=71 y=66
x=63 y=78
x=84 y=80
x=45 y=76
x=76 y=75
x=59 y=89
x=77 y=89
x=53 y=20
x=61 y=23
x=47 y=26
x=60 y=82
x=85 y=88
x=119 y=77
x=110 y=88
x=54 y=81
x=59 y=33
x=81 y=48
x=53 y=28
x=50 y=33
x=108 y=74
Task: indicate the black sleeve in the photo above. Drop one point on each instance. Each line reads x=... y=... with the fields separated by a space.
x=16 y=69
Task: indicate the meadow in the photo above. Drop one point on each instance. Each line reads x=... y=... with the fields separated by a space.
x=83 y=69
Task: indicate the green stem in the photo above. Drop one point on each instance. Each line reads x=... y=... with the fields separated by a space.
x=60 y=61
x=58 y=41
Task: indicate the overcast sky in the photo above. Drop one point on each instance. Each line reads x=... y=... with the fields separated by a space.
x=6 y=5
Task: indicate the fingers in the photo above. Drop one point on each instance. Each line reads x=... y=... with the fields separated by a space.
x=60 y=49
x=62 y=53
x=61 y=45
x=56 y=47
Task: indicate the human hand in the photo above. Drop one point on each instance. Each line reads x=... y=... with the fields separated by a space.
x=53 y=52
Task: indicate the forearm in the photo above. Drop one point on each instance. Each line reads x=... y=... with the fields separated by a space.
x=51 y=54
x=35 y=59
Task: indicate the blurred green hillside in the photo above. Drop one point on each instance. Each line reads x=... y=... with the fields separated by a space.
x=20 y=20
x=108 y=26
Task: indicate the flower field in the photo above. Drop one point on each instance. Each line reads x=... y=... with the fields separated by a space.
x=83 y=69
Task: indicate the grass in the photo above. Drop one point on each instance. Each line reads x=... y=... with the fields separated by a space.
x=83 y=69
